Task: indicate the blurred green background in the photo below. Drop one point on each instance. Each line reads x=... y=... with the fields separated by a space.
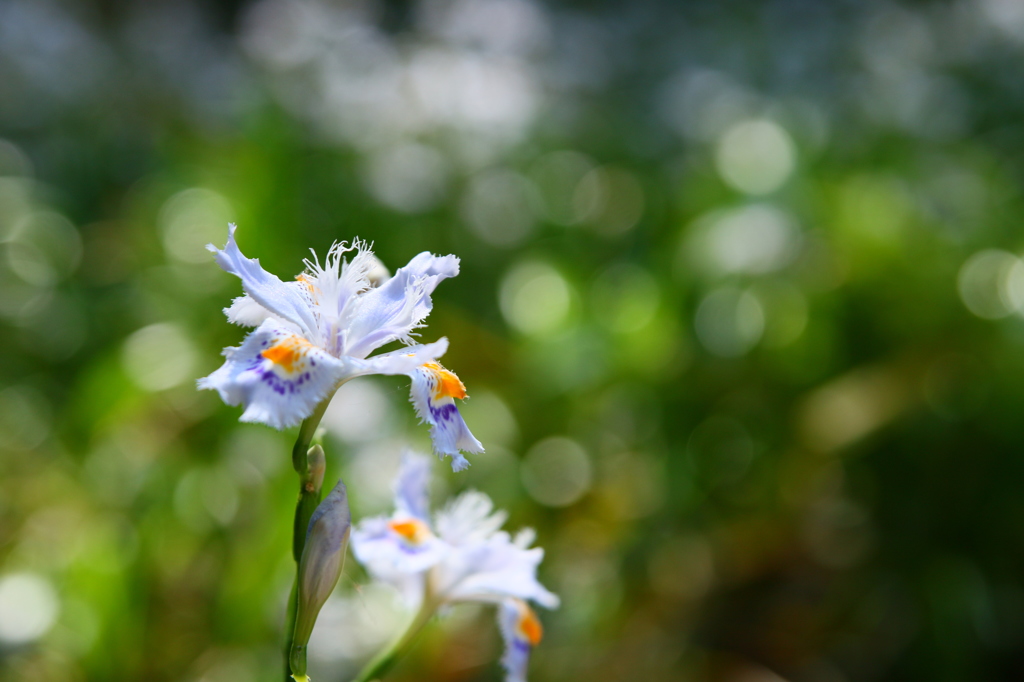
x=741 y=313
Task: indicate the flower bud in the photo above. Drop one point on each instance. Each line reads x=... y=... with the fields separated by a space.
x=319 y=568
x=316 y=463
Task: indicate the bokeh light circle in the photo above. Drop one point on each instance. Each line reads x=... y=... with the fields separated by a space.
x=534 y=298
x=556 y=472
x=28 y=607
x=755 y=156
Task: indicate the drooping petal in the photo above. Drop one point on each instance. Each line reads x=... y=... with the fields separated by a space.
x=433 y=394
x=397 y=307
x=412 y=487
x=521 y=630
x=284 y=300
x=277 y=375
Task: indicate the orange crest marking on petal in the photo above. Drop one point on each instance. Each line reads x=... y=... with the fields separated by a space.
x=287 y=352
x=448 y=385
x=529 y=626
x=413 y=530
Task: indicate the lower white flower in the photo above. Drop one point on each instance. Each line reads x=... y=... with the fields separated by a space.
x=464 y=556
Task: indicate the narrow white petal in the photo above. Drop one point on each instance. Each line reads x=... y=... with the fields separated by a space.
x=397 y=307
x=404 y=361
x=287 y=301
x=278 y=376
x=335 y=285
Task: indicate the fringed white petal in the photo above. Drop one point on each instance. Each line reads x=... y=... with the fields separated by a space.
x=284 y=300
x=335 y=286
x=397 y=307
x=469 y=518
x=433 y=394
x=493 y=570
x=278 y=376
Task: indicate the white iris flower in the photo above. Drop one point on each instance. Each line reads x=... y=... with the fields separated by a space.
x=463 y=556
x=317 y=332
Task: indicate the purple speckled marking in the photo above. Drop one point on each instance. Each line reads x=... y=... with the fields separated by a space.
x=444 y=413
x=521 y=645
x=410 y=549
x=276 y=383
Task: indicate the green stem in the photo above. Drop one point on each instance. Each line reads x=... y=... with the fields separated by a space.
x=309 y=498
x=387 y=658
x=289 y=629
x=306 y=433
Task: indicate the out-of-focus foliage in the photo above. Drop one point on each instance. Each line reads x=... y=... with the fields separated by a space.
x=741 y=313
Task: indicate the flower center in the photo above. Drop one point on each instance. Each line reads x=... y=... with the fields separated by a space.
x=414 y=531
x=288 y=352
x=304 y=279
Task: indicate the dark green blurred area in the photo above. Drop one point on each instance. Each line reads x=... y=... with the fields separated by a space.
x=741 y=311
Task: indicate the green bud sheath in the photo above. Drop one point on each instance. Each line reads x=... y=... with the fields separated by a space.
x=319 y=568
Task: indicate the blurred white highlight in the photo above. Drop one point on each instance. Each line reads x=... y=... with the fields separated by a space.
x=159 y=356
x=409 y=178
x=44 y=248
x=534 y=298
x=752 y=239
x=190 y=220
x=556 y=472
x=496 y=206
x=756 y=156
x=28 y=607
x=729 y=321
x=991 y=284
x=360 y=411
x=510 y=27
